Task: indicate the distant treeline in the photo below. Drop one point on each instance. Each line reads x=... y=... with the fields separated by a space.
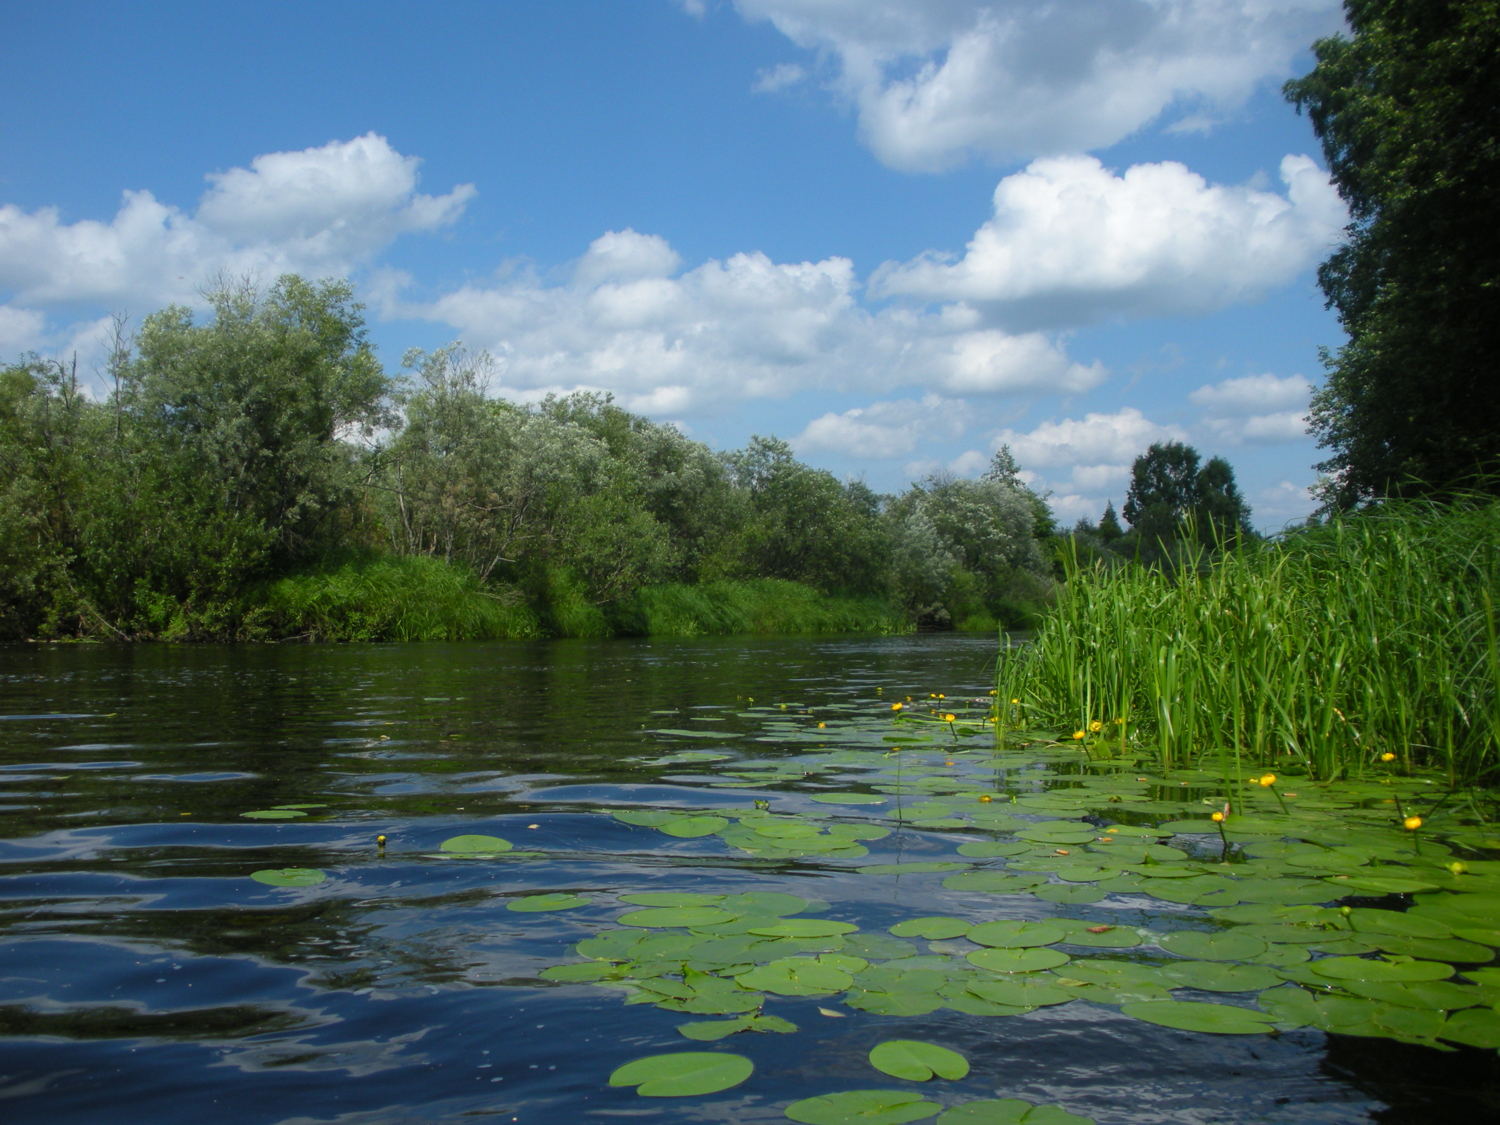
x=256 y=474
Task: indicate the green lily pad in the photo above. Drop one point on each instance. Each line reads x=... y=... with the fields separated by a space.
x=1096 y=936
x=1216 y=976
x=302 y=806
x=683 y=1075
x=796 y=976
x=1381 y=885
x=1433 y=949
x=673 y=916
x=1358 y=968
x=863 y=1107
x=1440 y=994
x=1058 y=834
x=273 y=814
x=289 y=876
x=475 y=845
x=1476 y=1027
x=933 y=929
x=1017 y=960
x=917 y=1061
x=1010 y=1111
x=1224 y=946
x=1216 y=1019
x=910 y=868
x=849 y=798
x=536 y=904
x=1069 y=894
x=1021 y=992
x=806 y=928
x=1015 y=935
x=690 y=827
x=706 y=1031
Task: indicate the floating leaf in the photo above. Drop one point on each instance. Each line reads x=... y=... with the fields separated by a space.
x=910 y=868
x=849 y=798
x=1016 y=935
x=1440 y=994
x=683 y=1075
x=672 y=916
x=273 y=814
x=1010 y=1111
x=863 y=1107
x=1217 y=1019
x=1096 y=936
x=475 y=845
x=917 y=1061
x=1021 y=992
x=1224 y=946
x=536 y=904
x=302 y=806
x=1477 y=1027
x=690 y=827
x=646 y=818
x=1017 y=960
x=289 y=876
x=1216 y=976
x=933 y=929
x=1358 y=968
x=796 y=976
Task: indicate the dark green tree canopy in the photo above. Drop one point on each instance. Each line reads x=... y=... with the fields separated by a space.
x=1408 y=111
x=1171 y=495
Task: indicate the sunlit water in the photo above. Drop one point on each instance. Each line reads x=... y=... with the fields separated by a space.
x=145 y=977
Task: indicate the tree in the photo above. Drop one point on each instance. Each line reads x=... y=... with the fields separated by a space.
x=1109 y=524
x=1408 y=112
x=1170 y=495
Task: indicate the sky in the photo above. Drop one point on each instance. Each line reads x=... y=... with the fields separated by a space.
x=895 y=233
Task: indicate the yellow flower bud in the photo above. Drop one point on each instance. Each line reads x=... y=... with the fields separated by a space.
x=949 y=718
x=985 y=798
x=1412 y=823
x=1078 y=735
x=1268 y=780
x=1387 y=757
x=1096 y=726
x=897 y=706
x=1217 y=818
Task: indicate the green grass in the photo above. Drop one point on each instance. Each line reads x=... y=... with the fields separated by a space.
x=763 y=605
x=391 y=598
x=1374 y=634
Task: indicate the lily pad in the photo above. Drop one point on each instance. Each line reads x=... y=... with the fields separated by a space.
x=796 y=976
x=933 y=929
x=917 y=1061
x=863 y=1107
x=849 y=798
x=683 y=1075
x=806 y=928
x=910 y=868
x=1216 y=1019
x=1216 y=976
x=273 y=814
x=1010 y=1111
x=475 y=845
x=690 y=827
x=1015 y=935
x=536 y=904
x=646 y=818
x=1017 y=960
x=289 y=876
x=1223 y=946
x=1358 y=968
x=671 y=898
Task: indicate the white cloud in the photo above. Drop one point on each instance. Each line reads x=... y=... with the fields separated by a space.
x=768 y=81
x=321 y=211
x=21 y=330
x=1281 y=504
x=1256 y=409
x=883 y=429
x=934 y=81
x=725 y=331
x=1071 y=242
x=1094 y=440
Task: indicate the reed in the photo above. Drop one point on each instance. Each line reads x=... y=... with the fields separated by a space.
x=1322 y=650
x=391 y=598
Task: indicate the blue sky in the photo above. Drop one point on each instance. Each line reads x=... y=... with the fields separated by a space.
x=894 y=232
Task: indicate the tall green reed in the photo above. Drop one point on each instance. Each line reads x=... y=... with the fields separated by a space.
x=1374 y=633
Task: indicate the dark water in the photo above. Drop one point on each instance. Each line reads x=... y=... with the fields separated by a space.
x=145 y=977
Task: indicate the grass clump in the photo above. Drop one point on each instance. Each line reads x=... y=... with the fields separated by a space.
x=391 y=598
x=764 y=605
x=1373 y=634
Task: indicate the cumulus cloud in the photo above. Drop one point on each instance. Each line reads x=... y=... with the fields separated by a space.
x=725 y=331
x=1072 y=242
x=21 y=330
x=883 y=429
x=1256 y=409
x=936 y=81
x=320 y=211
x=779 y=77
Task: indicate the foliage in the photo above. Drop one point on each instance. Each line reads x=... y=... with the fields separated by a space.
x=1408 y=111
x=1371 y=634
x=1171 y=497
